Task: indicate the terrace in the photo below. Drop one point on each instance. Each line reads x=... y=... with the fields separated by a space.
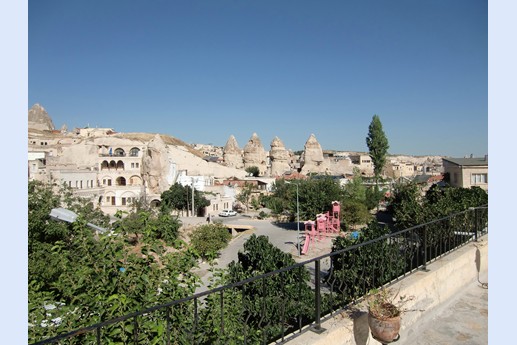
x=433 y=262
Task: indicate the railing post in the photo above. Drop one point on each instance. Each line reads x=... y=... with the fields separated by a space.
x=317 y=300
x=424 y=268
x=476 y=224
x=135 y=330
x=168 y=329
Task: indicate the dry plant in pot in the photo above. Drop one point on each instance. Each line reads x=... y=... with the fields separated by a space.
x=384 y=310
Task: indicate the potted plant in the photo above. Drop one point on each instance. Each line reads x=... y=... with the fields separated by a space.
x=384 y=311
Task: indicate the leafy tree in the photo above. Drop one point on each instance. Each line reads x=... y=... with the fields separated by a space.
x=355 y=189
x=315 y=196
x=262 y=308
x=355 y=212
x=410 y=208
x=245 y=194
x=357 y=271
x=87 y=277
x=179 y=198
x=406 y=205
x=373 y=197
x=253 y=171
x=208 y=239
x=377 y=145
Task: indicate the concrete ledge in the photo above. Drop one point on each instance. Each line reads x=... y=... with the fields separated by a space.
x=446 y=277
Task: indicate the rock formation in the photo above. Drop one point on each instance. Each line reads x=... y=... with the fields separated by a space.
x=155 y=166
x=39 y=119
x=232 y=154
x=312 y=160
x=279 y=157
x=254 y=154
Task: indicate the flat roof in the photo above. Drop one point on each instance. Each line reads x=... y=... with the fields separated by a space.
x=476 y=161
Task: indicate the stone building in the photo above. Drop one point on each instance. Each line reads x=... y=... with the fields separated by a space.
x=114 y=169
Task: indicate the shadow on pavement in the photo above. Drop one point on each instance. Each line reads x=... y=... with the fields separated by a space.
x=289 y=226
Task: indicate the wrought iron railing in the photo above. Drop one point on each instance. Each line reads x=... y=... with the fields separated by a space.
x=305 y=294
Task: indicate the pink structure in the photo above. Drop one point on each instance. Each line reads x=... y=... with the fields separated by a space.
x=326 y=223
x=310 y=234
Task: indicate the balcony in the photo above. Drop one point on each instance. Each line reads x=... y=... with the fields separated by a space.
x=440 y=257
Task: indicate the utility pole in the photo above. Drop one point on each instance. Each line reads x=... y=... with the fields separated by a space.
x=193 y=189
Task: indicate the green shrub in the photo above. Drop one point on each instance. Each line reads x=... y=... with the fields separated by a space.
x=355 y=213
x=207 y=240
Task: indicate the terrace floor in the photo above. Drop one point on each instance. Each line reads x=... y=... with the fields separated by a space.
x=463 y=319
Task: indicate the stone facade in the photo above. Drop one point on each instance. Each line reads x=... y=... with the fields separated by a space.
x=115 y=169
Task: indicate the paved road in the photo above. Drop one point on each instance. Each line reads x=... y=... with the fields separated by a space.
x=283 y=236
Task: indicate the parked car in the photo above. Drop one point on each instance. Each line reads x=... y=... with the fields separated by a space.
x=227 y=213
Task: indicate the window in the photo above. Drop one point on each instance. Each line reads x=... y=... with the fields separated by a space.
x=113 y=200
x=478 y=178
x=109 y=182
x=123 y=201
x=134 y=152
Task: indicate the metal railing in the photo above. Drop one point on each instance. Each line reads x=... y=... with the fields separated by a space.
x=304 y=295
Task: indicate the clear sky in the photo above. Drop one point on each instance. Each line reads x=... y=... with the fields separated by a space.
x=204 y=70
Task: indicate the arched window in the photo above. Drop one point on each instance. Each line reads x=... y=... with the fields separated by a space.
x=121 y=181
x=155 y=203
x=135 y=180
x=119 y=152
x=104 y=165
x=113 y=165
x=134 y=152
x=120 y=165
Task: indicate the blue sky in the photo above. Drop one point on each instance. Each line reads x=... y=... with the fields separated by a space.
x=204 y=70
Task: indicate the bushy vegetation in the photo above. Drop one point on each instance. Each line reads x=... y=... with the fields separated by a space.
x=208 y=240
x=409 y=207
x=261 y=309
x=317 y=194
x=253 y=171
x=357 y=271
x=179 y=198
x=77 y=277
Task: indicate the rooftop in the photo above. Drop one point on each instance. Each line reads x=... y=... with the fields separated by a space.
x=476 y=161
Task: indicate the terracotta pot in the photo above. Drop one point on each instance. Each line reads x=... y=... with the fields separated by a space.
x=386 y=331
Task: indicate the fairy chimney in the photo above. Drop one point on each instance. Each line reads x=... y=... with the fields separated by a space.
x=232 y=154
x=312 y=159
x=254 y=154
x=39 y=119
x=279 y=158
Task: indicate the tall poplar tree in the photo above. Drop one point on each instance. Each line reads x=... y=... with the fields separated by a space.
x=378 y=145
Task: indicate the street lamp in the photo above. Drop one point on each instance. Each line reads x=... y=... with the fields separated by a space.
x=70 y=217
x=297 y=218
